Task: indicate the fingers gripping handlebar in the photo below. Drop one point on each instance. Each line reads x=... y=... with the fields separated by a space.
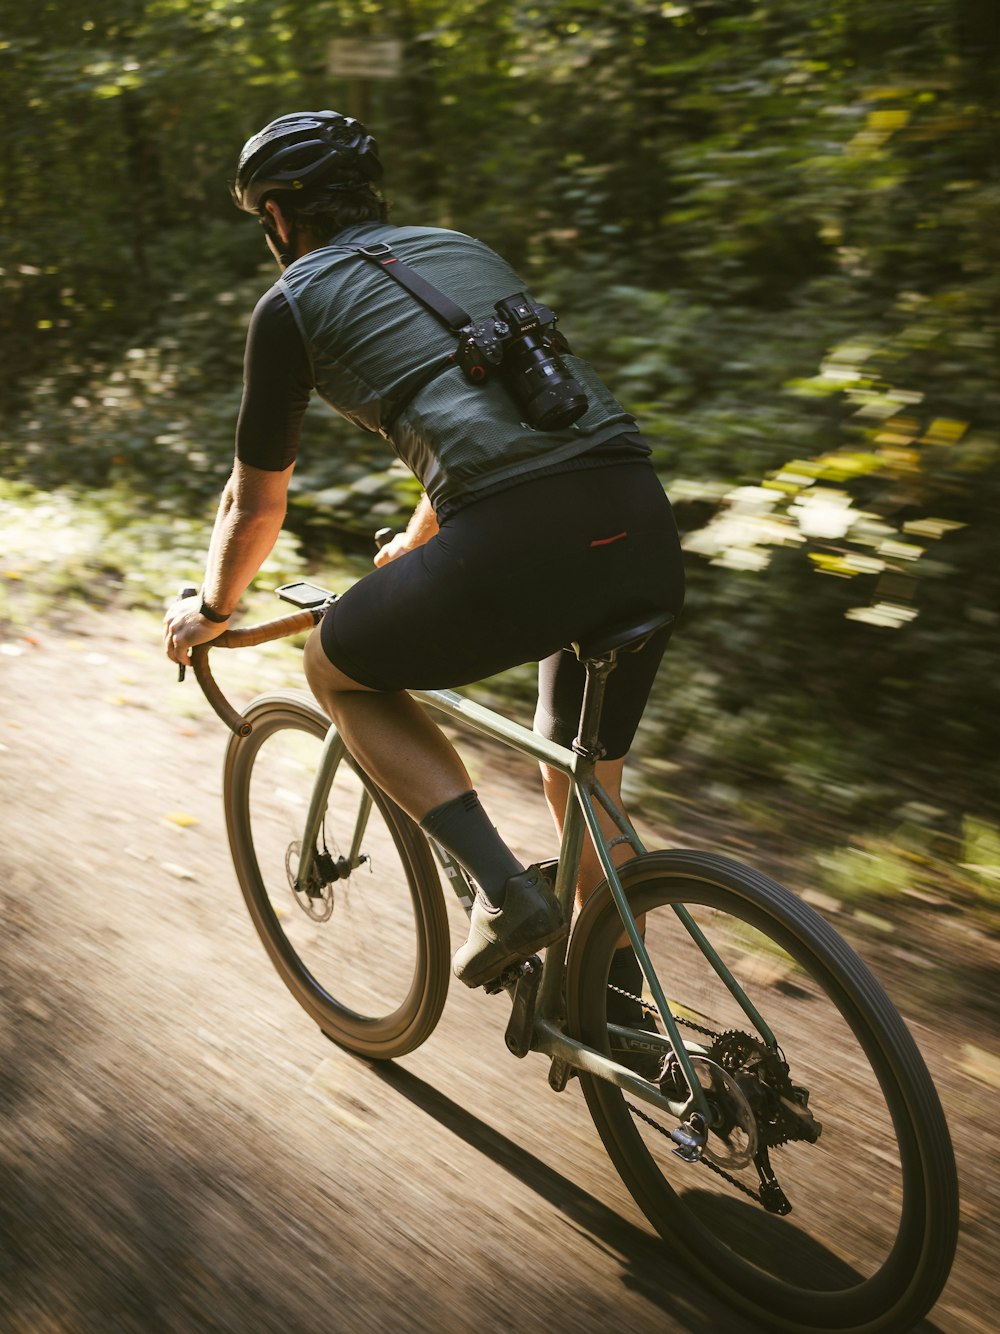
x=313 y=608
x=243 y=638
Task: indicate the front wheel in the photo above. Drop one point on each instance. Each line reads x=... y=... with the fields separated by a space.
x=362 y=941
x=826 y=1196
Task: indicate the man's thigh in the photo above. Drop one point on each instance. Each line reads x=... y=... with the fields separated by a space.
x=321 y=673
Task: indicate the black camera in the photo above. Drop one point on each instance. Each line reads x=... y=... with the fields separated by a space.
x=523 y=345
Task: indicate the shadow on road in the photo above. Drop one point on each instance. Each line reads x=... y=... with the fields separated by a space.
x=645 y=1265
x=773 y=1242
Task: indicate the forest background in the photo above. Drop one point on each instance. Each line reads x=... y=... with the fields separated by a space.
x=772 y=226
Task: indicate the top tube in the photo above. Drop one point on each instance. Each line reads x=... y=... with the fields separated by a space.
x=498 y=727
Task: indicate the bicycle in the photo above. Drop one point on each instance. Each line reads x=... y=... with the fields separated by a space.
x=344 y=891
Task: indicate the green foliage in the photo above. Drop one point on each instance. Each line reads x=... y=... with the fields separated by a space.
x=917 y=858
x=771 y=227
x=981 y=857
x=95 y=546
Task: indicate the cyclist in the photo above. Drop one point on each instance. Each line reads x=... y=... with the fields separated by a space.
x=526 y=539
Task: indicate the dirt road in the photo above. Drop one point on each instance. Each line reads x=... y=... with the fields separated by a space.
x=180 y=1150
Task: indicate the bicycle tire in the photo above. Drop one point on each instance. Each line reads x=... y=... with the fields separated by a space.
x=884 y=1140
x=374 y=973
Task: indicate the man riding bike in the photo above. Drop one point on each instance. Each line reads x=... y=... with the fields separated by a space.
x=542 y=520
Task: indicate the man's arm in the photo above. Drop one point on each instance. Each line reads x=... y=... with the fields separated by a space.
x=422 y=527
x=251 y=513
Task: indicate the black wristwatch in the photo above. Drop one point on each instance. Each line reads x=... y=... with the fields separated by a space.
x=210 y=614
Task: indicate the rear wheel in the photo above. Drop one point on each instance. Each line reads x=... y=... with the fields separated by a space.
x=838 y=1127
x=363 y=945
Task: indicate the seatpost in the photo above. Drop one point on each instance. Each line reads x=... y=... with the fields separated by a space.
x=587 y=744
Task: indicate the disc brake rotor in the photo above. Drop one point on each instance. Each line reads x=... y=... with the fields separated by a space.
x=316 y=898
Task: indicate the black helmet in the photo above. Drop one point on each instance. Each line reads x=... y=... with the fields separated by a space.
x=315 y=152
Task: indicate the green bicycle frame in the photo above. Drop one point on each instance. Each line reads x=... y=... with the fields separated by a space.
x=586 y=794
x=581 y=818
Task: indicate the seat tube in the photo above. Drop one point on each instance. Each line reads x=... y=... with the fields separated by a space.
x=551 y=1001
x=589 y=750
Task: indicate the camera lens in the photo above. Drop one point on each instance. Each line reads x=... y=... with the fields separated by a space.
x=544 y=389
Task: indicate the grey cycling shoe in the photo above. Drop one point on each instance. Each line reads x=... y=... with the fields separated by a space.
x=529 y=919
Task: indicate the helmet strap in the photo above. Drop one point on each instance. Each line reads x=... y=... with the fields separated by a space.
x=286 y=249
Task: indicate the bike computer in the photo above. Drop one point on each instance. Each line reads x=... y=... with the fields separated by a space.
x=302 y=594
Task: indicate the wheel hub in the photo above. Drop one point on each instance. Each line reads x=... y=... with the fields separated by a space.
x=780 y=1108
x=314 y=898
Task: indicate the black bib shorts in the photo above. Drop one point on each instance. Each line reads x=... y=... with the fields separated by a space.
x=516 y=577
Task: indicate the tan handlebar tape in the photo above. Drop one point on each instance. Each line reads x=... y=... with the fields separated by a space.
x=242 y=638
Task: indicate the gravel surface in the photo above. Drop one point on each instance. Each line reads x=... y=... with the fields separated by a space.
x=181 y=1150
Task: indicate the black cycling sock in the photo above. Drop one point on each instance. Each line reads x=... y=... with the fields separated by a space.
x=463 y=828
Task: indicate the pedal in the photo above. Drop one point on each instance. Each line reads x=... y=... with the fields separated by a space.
x=690 y=1139
x=521 y=1025
x=503 y=981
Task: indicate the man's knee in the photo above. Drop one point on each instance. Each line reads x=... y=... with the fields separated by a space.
x=322 y=675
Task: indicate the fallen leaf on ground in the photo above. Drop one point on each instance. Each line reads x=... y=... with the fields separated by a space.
x=181 y=872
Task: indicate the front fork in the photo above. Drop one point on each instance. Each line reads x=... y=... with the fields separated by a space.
x=314 y=862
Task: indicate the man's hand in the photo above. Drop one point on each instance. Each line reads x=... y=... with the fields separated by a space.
x=249 y=518
x=422 y=527
x=184 y=626
x=398 y=546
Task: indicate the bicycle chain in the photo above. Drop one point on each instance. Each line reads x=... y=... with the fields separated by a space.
x=705 y=1032
x=648 y=1005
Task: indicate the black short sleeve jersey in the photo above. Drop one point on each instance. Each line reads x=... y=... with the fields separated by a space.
x=277 y=382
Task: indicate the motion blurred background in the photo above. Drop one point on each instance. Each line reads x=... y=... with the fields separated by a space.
x=771 y=226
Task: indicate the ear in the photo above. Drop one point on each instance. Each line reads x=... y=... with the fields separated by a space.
x=280 y=221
